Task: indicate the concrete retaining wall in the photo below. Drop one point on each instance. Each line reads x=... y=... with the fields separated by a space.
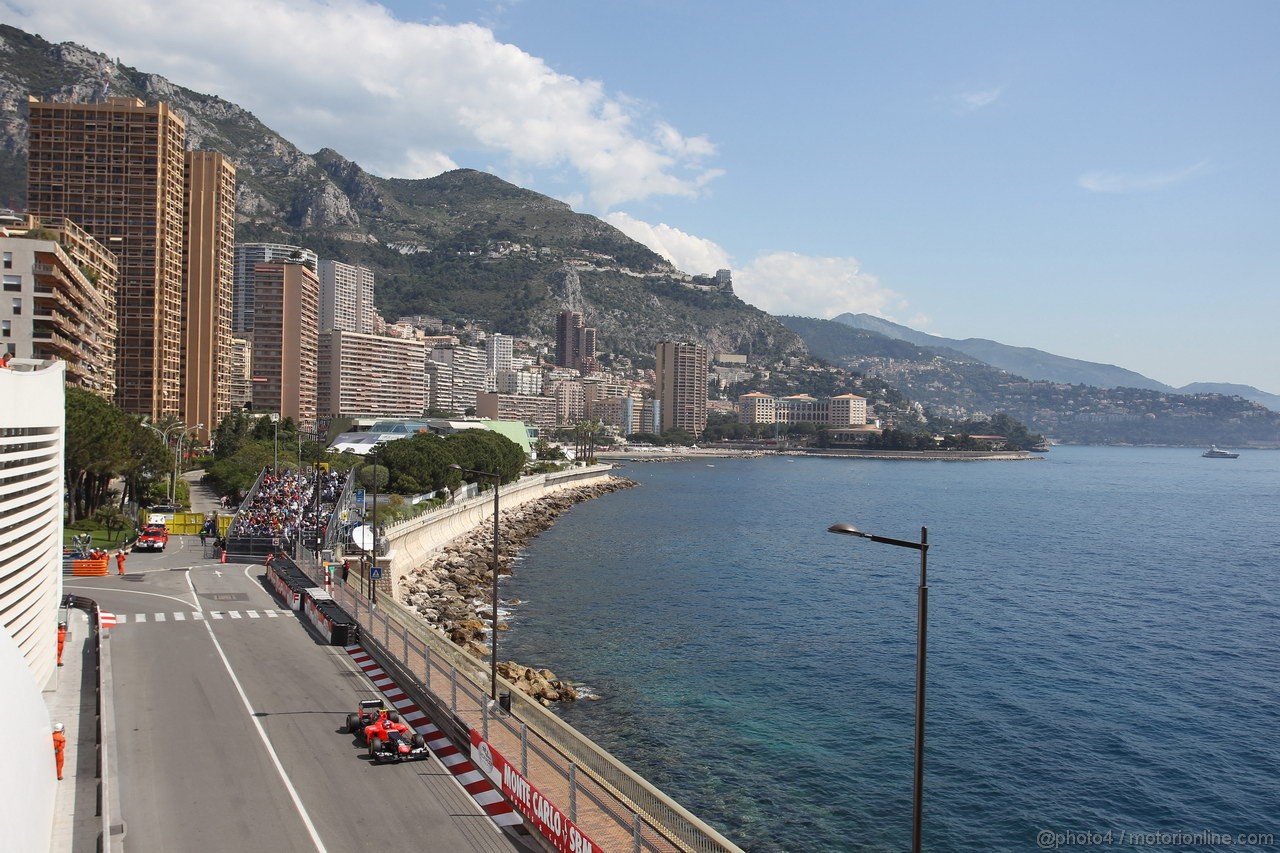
x=414 y=541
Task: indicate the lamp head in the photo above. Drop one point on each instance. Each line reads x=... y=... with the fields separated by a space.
x=847 y=530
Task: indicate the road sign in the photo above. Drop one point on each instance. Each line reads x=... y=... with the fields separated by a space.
x=375 y=573
x=359 y=495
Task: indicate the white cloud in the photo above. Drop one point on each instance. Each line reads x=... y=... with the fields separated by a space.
x=1120 y=182
x=776 y=282
x=402 y=99
x=689 y=253
x=976 y=100
x=788 y=283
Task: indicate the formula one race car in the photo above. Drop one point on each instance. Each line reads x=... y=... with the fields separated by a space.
x=390 y=741
x=367 y=714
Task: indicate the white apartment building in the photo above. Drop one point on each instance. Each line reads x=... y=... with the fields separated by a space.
x=455 y=388
x=363 y=375
x=525 y=382
x=32 y=452
x=346 y=298
x=498 y=352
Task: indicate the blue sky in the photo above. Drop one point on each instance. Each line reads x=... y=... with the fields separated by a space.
x=1095 y=179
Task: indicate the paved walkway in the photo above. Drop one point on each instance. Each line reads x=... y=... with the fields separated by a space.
x=203 y=498
x=72 y=702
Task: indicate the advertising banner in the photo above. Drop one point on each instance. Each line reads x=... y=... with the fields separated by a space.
x=554 y=825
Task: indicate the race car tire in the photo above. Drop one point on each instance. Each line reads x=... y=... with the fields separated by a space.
x=393 y=716
x=418 y=742
x=375 y=747
x=353 y=723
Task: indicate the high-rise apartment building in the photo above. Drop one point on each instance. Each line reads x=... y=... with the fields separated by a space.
x=116 y=169
x=59 y=300
x=346 y=298
x=575 y=342
x=208 y=259
x=286 y=310
x=498 y=352
x=680 y=382
x=370 y=375
x=248 y=256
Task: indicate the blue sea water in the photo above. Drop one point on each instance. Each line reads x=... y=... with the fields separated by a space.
x=1104 y=645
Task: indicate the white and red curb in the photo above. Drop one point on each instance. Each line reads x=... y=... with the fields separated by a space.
x=468 y=775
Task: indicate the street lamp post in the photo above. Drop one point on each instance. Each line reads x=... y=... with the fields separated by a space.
x=922 y=627
x=373 y=584
x=164 y=433
x=493 y=631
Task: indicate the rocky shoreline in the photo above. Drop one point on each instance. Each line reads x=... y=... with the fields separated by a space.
x=453 y=590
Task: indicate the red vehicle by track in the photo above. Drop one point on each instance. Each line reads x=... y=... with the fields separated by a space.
x=153 y=537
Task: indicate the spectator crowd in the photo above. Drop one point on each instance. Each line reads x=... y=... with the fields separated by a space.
x=288 y=505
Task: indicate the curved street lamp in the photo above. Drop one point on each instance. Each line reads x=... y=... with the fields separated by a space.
x=922 y=619
x=493 y=631
x=164 y=433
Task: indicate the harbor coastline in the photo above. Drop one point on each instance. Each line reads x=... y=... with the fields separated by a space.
x=683 y=454
x=452 y=590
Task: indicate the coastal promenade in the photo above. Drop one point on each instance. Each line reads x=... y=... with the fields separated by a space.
x=612 y=805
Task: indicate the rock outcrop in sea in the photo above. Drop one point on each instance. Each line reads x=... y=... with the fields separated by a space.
x=452 y=591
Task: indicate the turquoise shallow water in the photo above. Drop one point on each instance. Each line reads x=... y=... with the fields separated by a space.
x=1104 y=644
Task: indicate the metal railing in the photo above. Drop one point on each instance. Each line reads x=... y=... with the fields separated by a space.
x=609 y=802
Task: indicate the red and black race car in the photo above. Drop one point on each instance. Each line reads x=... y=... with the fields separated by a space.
x=387 y=738
x=390 y=740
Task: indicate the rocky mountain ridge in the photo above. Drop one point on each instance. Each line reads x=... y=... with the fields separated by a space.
x=464 y=244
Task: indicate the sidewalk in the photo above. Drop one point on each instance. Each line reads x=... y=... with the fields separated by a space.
x=72 y=702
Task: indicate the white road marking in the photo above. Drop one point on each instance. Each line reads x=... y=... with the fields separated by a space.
x=275 y=759
x=139 y=592
x=159 y=617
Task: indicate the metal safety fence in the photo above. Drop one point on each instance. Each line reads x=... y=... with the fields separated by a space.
x=614 y=806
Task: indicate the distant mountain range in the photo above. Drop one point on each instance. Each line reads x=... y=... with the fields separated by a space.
x=464 y=245
x=1036 y=364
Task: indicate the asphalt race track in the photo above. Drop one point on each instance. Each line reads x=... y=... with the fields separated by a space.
x=228 y=712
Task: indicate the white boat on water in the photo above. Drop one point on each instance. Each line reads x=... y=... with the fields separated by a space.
x=1214 y=453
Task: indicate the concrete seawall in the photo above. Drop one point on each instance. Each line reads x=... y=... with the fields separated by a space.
x=413 y=541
